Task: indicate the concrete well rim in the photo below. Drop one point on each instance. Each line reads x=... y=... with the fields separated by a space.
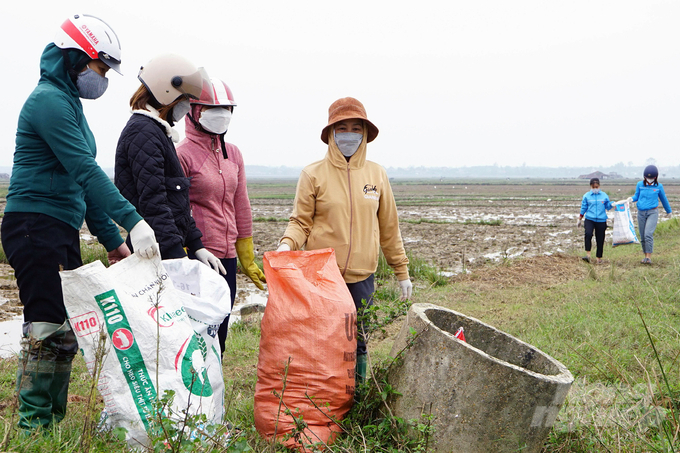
x=563 y=376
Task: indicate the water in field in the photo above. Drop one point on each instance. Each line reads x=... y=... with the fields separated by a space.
x=10 y=334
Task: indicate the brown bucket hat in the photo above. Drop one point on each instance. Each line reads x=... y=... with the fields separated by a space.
x=345 y=109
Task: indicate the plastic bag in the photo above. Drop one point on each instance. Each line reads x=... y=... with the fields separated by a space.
x=159 y=329
x=309 y=326
x=624 y=228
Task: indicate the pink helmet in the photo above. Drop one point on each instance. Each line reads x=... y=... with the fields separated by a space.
x=221 y=95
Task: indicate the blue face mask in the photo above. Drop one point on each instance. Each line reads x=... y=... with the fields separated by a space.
x=595 y=191
x=90 y=84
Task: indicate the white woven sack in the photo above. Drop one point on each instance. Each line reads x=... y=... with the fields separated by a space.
x=145 y=321
x=624 y=228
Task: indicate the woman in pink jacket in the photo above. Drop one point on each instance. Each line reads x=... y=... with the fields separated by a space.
x=218 y=192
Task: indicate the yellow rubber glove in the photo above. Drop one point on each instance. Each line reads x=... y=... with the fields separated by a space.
x=244 y=250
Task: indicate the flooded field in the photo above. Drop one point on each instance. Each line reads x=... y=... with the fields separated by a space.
x=452 y=224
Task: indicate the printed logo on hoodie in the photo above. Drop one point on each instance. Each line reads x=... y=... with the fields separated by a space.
x=371 y=192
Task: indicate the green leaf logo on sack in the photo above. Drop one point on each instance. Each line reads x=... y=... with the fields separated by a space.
x=194 y=372
x=129 y=356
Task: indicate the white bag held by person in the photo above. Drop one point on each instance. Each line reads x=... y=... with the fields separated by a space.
x=624 y=228
x=159 y=327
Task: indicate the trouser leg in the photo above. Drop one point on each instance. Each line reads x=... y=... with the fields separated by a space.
x=652 y=217
x=600 y=228
x=589 y=227
x=642 y=219
x=362 y=294
x=37 y=246
x=230 y=266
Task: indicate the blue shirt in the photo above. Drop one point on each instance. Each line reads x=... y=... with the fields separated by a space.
x=595 y=206
x=648 y=196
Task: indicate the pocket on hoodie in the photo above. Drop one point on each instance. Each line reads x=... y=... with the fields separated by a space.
x=62 y=182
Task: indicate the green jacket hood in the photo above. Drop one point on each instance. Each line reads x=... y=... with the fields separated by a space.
x=52 y=69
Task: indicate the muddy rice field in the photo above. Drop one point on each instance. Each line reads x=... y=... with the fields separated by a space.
x=457 y=223
x=453 y=224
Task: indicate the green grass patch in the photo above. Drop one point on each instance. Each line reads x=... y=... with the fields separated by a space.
x=270 y=219
x=93 y=252
x=272 y=196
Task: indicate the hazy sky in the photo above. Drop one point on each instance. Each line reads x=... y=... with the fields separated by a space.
x=448 y=83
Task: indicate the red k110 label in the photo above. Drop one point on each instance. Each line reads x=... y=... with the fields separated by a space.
x=85 y=324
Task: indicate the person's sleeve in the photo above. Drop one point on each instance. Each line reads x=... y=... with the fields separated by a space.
x=56 y=123
x=302 y=217
x=146 y=160
x=637 y=193
x=664 y=200
x=390 y=234
x=608 y=204
x=102 y=226
x=584 y=205
x=243 y=214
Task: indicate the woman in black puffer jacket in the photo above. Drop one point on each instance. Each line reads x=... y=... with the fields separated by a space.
x=147 y=171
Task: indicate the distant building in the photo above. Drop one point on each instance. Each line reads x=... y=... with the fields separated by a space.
x=600 y=175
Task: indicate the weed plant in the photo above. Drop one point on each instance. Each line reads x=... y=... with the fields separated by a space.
x=93 y=252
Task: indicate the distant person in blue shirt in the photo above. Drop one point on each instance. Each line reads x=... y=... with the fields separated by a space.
x=647 y=195
x=594 y=207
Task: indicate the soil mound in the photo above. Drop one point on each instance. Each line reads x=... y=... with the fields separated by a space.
x=544 y=271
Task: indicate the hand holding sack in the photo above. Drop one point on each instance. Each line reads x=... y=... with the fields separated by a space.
x=143 y=240
x=310 y=324
x=283 y=247
x=579 y=222
x=210 y=260
x=118 y=254
x=246 y=255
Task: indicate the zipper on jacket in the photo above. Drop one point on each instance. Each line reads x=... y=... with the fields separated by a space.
x=351 y=218
x=224 y=193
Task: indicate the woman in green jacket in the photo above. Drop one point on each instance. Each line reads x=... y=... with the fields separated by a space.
x=55 y=185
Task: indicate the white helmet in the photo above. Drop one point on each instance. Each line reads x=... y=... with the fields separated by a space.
x=170 y=76
x=91 y=35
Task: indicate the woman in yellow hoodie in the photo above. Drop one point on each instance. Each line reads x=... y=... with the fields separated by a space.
x=345 y=202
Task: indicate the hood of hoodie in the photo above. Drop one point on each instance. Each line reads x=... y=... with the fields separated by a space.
x=195 y=134
x=53 y=71
x=336 y=157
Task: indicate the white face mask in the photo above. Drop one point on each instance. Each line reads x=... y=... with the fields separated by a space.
x=348 y=142
x=180 y=109
x=216 y=120
x=650 y=181
x=596 y=191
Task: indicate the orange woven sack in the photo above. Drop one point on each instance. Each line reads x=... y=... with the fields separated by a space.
x=309 y=327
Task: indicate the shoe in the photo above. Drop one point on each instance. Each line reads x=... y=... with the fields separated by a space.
x=600 y=261
x=646 y=261
x=586 y=259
